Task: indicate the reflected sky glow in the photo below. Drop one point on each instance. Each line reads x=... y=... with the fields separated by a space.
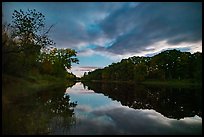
x=98 y=114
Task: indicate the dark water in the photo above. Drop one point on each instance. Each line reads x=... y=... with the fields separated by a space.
x=99 y=108
x=135 y=109
x=43 y=112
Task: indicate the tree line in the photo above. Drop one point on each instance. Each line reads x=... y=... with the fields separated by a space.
x=27 y=48
x=167 y=65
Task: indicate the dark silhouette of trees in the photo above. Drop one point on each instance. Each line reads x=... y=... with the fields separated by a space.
x=56 y=60
x=29 y=29
x=27 y=47
x=167 y=65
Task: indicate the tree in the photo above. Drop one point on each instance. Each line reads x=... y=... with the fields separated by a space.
x=56 y=61
x=167 y=65
x=197 y=66
x=140 y=72
x=27 y=47
x=8 y=57
x=25 y=38
x=29 y=29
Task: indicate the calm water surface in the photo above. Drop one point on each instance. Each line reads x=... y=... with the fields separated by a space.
x=134 y=109
x=105 y=108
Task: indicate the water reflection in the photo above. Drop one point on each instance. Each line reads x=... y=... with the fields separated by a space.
x=97 y=113
x=44 y=112
x=172 y=102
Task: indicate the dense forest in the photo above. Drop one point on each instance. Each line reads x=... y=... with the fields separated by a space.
x=167 y=65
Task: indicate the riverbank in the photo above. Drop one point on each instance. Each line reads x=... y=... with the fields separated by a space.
x=14 y=87
x=172 y=83
x=25 y=106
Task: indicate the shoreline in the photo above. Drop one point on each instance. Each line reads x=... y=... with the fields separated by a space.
x=153 y=82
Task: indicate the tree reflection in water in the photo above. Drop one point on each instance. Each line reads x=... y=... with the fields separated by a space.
x=172 y=102
x=44 y=112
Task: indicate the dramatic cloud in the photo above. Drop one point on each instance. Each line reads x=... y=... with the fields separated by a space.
x=139 y=27
x=106 y=32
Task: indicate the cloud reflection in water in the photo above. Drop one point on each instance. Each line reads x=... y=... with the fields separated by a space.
x=98 y=114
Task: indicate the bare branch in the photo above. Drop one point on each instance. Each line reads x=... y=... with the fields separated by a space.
x=49 y=29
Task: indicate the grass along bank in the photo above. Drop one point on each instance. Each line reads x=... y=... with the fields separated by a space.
x=174 y=83
x=24 y=103
x=14 y=87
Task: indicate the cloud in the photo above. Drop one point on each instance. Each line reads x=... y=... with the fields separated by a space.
x=139 y=27
x=110 y=117
x=117 y=30
x=79 y=71
x=78 y=23
x=131 y=29
x=151 y=50
x=85 y=68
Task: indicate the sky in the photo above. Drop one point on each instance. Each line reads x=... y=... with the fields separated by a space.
x=106 y=32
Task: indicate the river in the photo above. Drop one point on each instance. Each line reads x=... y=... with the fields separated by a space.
x=134 y=109
x=106 y=109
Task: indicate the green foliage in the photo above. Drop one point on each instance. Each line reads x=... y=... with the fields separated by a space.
x=28 y=28
x=56 y=60
x=71 y=76
x=140 y=72
x=27 y=47
x=196 y=62
x=22 y=42
x=167 y=65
